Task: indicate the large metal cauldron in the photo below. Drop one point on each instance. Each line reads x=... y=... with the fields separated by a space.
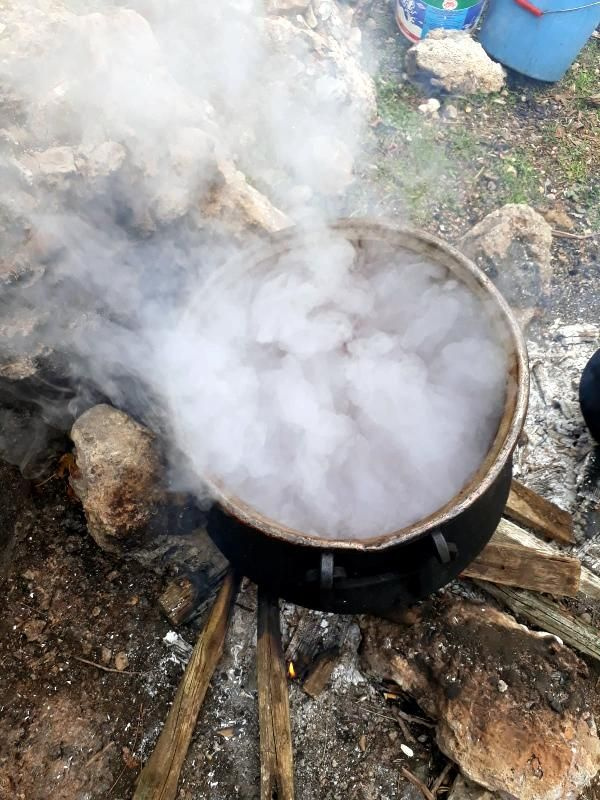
x=398 y=567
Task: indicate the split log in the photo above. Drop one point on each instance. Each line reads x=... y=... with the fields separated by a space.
x=160 y=775
x=179 y=600
x=515 y=557
x=186 y=597
x=529 y=509
x=320 y=671
x=589 y=584
x=547 y=615
x=310 y=639
x=276 y=761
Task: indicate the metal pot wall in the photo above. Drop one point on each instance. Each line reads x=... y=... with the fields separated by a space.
x=401 y=566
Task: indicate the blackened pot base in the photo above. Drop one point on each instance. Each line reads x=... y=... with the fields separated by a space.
x=362 y=581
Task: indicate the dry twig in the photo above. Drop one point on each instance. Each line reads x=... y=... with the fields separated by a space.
x=439 y=781
x=99 y=754
x=106 y=669
x=418 y=783
x=567 y=235
x=135 y=741
x=377 y=714
x=417 y=720
x=406 y=730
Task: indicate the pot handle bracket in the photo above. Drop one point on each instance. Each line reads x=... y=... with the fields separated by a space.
x=445 y=551
x=326 y=574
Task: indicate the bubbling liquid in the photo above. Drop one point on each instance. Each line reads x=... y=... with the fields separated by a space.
x=341 y=401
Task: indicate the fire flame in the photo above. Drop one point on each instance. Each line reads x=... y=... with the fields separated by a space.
x=291 y=670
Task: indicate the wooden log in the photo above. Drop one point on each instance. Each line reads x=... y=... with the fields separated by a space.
x=589 y=584
x=320 y=671
x=178 y=601
x=276 y=761
x=310 y=638
x=529 y=509
x=160 y=775
x=547 y=615
x=514 y=557
x=186 y=597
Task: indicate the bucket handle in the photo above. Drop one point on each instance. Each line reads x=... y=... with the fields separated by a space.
x=537 y=12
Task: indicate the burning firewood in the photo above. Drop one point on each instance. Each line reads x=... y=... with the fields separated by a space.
x=185 y=597
x=276 y=760
x=160 y=775
x=320 y=672
x=179 y=600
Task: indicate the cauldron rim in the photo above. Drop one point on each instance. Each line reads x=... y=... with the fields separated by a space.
x=511 y=423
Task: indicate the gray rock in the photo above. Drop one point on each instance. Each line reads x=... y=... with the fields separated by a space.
x=462 y=789
x=102 y=160
x=329 y=51
x=117 y=477
x=286 y=6
x=55 y=161
x=431 y=107
x=513 y=246
x=28 y=442
x=22 y=349
x=310 y=18
x=454 y=62
x=239 y=206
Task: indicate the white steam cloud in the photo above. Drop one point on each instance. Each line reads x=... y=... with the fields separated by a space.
x=338 y=401
x=341 y=401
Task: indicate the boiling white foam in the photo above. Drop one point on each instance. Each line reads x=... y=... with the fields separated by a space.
x=341 y=403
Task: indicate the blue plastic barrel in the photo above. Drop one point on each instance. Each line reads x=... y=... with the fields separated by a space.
x=543 y=47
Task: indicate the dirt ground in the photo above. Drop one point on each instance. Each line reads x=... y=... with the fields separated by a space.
x=72 y=725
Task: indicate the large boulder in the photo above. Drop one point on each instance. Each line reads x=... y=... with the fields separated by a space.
x=511 y=705
x=117 y=477
x=239 y=206
x=455 y=63
x=513 y=246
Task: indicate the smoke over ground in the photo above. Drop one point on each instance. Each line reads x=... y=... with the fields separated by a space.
x=144 y=144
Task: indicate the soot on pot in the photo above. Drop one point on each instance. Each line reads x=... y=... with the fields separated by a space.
x=340 y=399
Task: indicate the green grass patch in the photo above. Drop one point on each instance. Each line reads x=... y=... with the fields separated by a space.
x=411 y=165
x=586 y=83
x=519 y=179
x=575 y=159
x=393 y=103
x=461 y=143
